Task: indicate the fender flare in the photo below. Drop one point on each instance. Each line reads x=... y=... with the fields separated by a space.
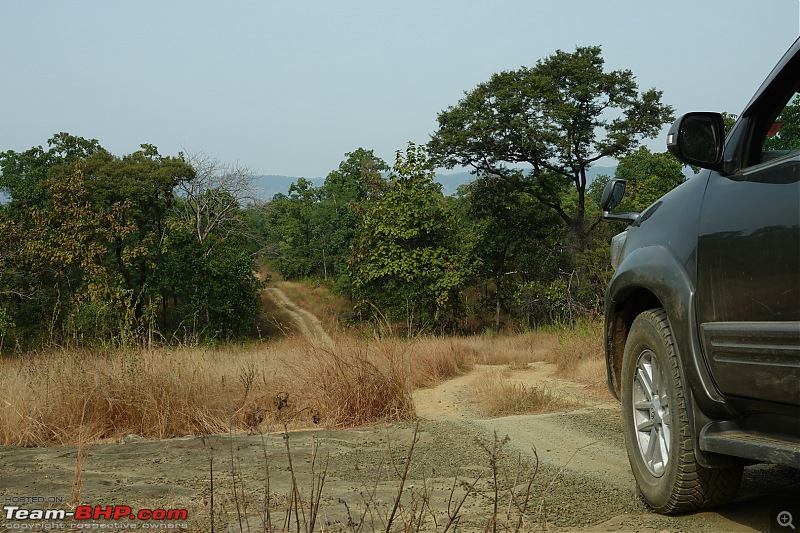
x=657 y=271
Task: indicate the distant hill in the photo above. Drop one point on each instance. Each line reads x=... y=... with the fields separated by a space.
x=451 y=182
x=269 y=185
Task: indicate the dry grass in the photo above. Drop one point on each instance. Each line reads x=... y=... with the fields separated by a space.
x=580 y=355
x=514 y=349
x=353 y=384
x=71 y=396
x=63 y=397
x=437 y=359
x=501 y=396
x=67 y=396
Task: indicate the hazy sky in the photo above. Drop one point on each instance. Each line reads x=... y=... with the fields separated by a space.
x=290 y=87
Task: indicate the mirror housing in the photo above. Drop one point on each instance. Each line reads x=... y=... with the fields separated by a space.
x=698 y=139
x=612 y=196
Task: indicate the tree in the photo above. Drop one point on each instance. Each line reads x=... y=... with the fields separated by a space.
x=144 y=181
x=92 y=249
x=405 y=259
x=209 y=290
x=213 y=198
x=336 y=216
x=556 y=118
x=511 y=244
x=47 y=234
x=23 y=175
x=208 y=272
x=87 y=232
x=300 y=252
x=648 y=176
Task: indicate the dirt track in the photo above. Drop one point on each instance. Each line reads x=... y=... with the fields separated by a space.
x=583 y=482
x=307 y=324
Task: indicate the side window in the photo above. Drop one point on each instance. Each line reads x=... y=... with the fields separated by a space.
x=783 y=134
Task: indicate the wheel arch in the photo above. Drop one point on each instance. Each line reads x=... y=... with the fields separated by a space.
x=651 y=277
x=636 y=301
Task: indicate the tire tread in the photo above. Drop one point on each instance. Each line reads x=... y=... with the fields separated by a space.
x=695 y=487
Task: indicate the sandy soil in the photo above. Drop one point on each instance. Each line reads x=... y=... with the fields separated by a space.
x=582 y=481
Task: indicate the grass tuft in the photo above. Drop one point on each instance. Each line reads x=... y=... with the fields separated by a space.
x=500 y=396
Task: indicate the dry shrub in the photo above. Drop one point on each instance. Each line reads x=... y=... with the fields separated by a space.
x=579 y=353
x=502 y=397
x=353 y=384
x=434 y=360
x=68 y=396
x=62 y=397
x=512 y=349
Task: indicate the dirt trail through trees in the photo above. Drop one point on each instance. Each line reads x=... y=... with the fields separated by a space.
x=308 y=325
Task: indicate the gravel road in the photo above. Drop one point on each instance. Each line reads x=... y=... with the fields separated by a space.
x=583 y=482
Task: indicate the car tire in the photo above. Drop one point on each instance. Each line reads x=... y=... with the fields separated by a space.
x=656 y=426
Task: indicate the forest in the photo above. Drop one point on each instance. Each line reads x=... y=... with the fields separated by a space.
x=104 y=250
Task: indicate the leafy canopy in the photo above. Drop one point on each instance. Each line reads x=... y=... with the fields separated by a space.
x=554 y=120
x=405 y=252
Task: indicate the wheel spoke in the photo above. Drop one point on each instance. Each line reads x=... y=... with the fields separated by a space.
x=643 y=375
x=656 y=377
x=663 y=447
x=652 y=447
x=645 y=425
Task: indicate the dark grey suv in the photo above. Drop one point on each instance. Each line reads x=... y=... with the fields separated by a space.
x=703 y=311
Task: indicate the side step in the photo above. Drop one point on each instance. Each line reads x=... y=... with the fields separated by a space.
x=774 y=440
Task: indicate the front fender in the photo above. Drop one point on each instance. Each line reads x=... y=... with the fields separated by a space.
x=651 y=276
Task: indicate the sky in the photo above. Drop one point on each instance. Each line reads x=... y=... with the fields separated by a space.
x=289 y=88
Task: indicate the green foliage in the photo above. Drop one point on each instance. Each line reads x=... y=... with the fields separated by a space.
x=558 y=118
x=511 y=240
x=357 y=179
x=729 y=119
x=310 y=231
x=299 y=247
x=211 y=285
x=6 y=323
x=648 y=176
x=405 y=260
x=90 y=243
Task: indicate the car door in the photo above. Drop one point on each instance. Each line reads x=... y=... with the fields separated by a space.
x=748 y=254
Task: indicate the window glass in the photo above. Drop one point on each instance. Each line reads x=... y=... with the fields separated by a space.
x=784 y=134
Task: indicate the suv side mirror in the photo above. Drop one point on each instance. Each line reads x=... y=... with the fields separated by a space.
x=698 y=139
x=612 y=196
